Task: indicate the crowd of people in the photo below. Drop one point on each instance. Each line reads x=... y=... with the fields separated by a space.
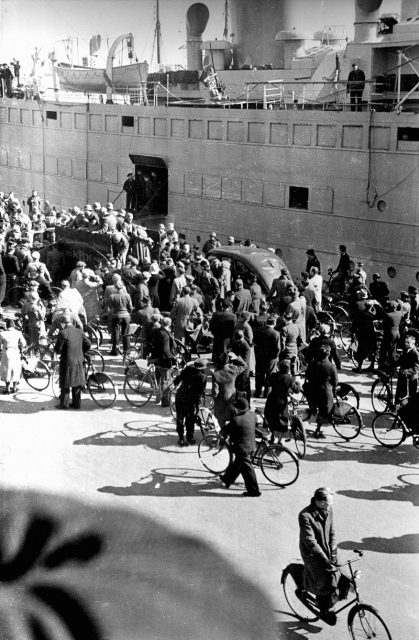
x=172 y=289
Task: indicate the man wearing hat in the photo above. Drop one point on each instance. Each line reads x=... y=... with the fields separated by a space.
x=211 y=243
x=242 y=430
x=414 y=305
x=192 y=380
x=408 y=363
x=378 y=289
x=355 y=87
x=230 y=241
x=71 y=345
x=129 y=188
x=312 y=261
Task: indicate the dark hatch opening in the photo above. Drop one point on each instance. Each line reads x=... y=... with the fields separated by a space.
x=150 y=185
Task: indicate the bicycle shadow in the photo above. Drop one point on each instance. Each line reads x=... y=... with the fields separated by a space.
x=160 y=484
x=405 y=492
x=408 y=543
x=153 y=436
x=295 y=629
x=363 y=454
x=25 y=402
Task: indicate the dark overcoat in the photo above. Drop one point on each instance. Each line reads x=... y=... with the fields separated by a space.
x=72 y=344
x=320 y=385
x=318 y=549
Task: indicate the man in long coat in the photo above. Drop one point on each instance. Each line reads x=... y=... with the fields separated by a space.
x=242 y=430
x=224 y=387
x=319 y=550
x=71 y=344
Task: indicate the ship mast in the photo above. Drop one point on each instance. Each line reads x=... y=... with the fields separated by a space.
x=157 y=32
x=225 y=32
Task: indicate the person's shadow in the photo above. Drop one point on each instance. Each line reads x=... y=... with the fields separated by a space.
x=171 y=483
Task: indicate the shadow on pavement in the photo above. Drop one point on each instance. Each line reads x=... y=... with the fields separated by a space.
x=295 y=629
x=406 y=492
x=158 y=484
x=155 y=436
x=27 y=401
x=363 y=454
x=409 y=543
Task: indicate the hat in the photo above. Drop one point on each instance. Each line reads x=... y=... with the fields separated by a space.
x=88 y=207
x=404 y=294
x=129 y=174
x=241 y=404
x=104 y=212
x=96 y=205
x=154 y=269
x=170 y=226
x=230 y=238
x=132 y=260
x=189 y=277
x=412 y=291
x=360 y=264
x=310 y=252
x=199 y=364
x=376 y=276
x=121 y=213
x=109 y=205
x=161 y=226
x=362 y=294
x=213 y=234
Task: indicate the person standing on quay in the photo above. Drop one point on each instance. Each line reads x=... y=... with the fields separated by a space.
x=71 y=344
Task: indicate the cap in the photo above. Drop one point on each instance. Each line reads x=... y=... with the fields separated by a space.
x=310 y=252
x=230 y=238
x=199 y=364
x=109 y=205
x=88 y=207
x=154 y=269
x=376 y=276
x=213 y=234
x=129 y=174
x=96 y=205
x=241 y=404
x=412 y=291
x=360 y=264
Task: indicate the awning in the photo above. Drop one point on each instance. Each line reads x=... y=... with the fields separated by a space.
x=148 y=161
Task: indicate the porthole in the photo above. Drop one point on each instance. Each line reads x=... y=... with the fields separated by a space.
x=417 y=276
x=381 y=205
x=278 y=252
x=391 y=272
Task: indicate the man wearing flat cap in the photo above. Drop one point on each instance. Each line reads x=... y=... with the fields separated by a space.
x=242 y=430
x=211 y=243
x=129 y=188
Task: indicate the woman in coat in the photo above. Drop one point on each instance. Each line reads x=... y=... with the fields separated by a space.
x=11 y=342
x=320 y=387
x=280 y=383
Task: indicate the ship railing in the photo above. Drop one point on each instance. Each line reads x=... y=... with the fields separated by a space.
x=301 y=94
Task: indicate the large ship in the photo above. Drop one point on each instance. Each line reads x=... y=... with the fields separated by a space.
x=282 y=160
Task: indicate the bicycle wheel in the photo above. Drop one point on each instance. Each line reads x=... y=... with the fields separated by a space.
x=388 y=429
x=345 y=391
x=299 y=436
x=102 y=389
x=380 y=396
x=206 y=421
x=36 y=373
x=343 y=322
x=181 y=354
x=279 y=465
x=214 y=453
x=365 y=622
x=55 y=381
x=132 y=354
x=97 y=361
x=93 y=336
x=138 y=387
x=299 y=601
x=346 y=420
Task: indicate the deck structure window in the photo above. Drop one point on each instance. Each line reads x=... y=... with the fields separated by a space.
x=127 y=121
x=298 y=198
x=408 y=134
x=51 y=115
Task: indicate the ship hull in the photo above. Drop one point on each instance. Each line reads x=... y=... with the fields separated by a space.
x=236 y=171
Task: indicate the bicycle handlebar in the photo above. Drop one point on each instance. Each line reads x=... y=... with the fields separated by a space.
x=360 y=555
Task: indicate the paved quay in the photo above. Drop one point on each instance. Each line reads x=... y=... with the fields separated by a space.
x=128 y=457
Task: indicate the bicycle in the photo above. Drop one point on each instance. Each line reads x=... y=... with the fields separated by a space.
x=279 y=465
x=35 y=372
x=296 y=430
x=141 y=384
x=204 y=418
x=346 y=419
x=382 y=391
x=390 y=430
x=100 y=385
x=364 y=621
